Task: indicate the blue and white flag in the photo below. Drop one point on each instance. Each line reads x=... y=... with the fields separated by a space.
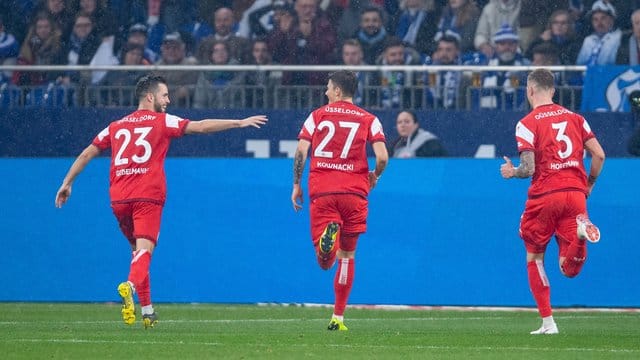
x=607 y=88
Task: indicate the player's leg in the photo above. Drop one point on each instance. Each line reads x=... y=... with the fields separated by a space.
x=124 y=215
x=536 y=229
x=343 y=280
x=572 y=234
x=325 y=230
x=353 y=210
x=147 y=218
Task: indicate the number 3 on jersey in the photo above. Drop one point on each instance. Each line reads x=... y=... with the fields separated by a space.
x=562 y=137
x=331 y=131
x=141 y=133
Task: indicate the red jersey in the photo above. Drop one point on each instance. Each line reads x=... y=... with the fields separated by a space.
x=139 y=143
x=339 y=133
x=556 y=136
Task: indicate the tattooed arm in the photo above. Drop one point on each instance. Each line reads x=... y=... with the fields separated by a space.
x=526 y=168
x=299 y=160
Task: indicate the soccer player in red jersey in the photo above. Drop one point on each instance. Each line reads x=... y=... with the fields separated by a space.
x=339 y=180
x=551 y=141
x=139 y=144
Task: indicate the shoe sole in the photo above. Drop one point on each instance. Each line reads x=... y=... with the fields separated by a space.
x=328 y=239
x=586 y=230
x=128 y=308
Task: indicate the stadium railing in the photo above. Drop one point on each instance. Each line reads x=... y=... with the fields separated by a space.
x=468 y=95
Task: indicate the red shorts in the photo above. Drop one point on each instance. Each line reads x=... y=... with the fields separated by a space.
x=348 y=210
x=550 y=214
x=138 y=219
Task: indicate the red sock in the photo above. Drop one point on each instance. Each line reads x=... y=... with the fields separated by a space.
x=144 y=292
x=574 y=258
x=342 y=284
x=539 y=285
x=139 y=270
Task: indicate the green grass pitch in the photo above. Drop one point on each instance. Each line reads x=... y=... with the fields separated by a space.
x=204 y=331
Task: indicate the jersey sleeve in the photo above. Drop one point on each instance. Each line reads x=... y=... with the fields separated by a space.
x=376 y=133
x=102 y=140
x=175 y=125
x=308 y=128
x=586 y=130
x=525 y=136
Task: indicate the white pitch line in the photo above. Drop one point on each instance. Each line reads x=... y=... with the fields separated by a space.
x=284 y=320
x=367 y=346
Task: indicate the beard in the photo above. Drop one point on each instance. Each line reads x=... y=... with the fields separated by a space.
x=506 y=56
x=157 y=107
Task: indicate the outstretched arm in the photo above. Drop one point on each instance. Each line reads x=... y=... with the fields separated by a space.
x=382 y=158
x=76 y=168
x=597 y=161
x=214 y=125
x=526 y=168
x=299 y=159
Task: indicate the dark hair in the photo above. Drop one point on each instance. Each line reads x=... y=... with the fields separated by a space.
x=392 y=41
x=147 y=84
x=450 y=39
x=410 y=112
x=542 y=78
x=346 y=80
x=547 y=49
x=372 y=8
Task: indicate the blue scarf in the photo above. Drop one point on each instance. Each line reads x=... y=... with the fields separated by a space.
x=366 y=39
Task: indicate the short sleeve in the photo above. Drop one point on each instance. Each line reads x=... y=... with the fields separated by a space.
x=525 y=137
x=308 y=128
x=102 y=140
x=376 y=133
x=175 y=125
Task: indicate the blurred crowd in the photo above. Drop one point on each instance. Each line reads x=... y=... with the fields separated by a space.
x=312 y=32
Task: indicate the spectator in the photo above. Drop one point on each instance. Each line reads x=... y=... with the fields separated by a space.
x=239 y=47
x=444 y=87
x=42 y=46
x=532 y=13
x=413 y=141
x=503 y=89
x=82 y=48
x=138 y=36
x=262 y=83
x=219 y=89
x=117 y=90
x=628 y=53
x=352 y=55
x=545 y=54
x=173 y=52
x=61 y=14
x=397 y=88
x=560 y=32
x=372 y=35
x=417 y=24
x=8 y=51
x=309 y=40
x=459 y=18
x=495 y=14
x=601 y=47
x=348 y=17
x=100 y=15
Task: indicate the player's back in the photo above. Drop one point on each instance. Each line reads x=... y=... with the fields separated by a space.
x=139 y=143
x=339 y=133
x=557 y=137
